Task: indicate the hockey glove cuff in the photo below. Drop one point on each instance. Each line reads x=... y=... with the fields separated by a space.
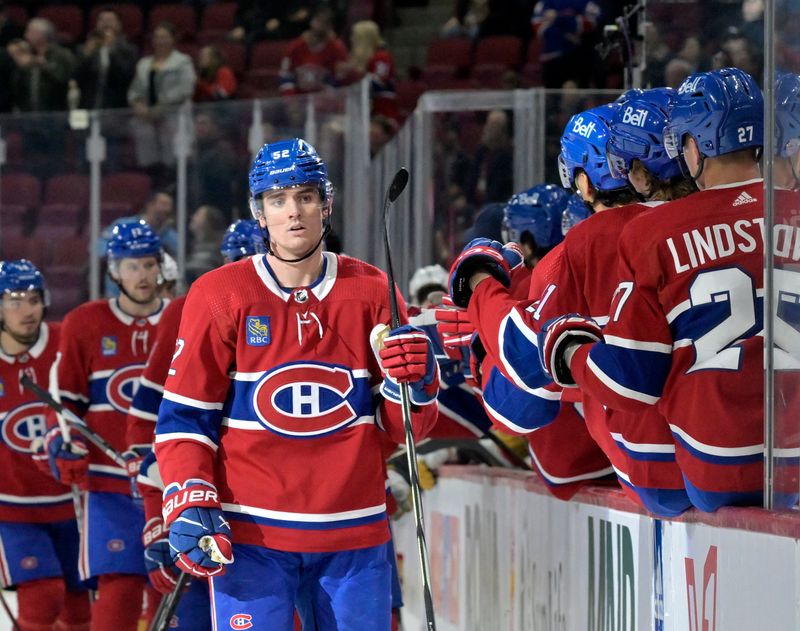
x=407 y=356
x=158 y=557
x=558 y=340
x=479 y=255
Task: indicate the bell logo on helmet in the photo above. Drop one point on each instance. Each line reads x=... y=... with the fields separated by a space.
x=583 y=129
x=689 y=86
x=241 y=621
x=636 y=117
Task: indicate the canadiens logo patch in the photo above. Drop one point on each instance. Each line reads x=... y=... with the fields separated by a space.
x=121 y=386
x=108 y=345
x=115 y=545
x=29 y=563
x=258 y=331
x=241 y=621
x=22 y=425
x=305 y=399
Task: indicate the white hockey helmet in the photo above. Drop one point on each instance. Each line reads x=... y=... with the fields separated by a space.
x=429 y=276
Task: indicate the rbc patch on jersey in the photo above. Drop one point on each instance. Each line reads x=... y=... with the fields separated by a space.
x=108 y=345
x=258 y=333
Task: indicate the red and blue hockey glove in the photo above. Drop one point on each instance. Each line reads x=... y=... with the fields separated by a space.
x=158 y=556
x=69 y=461
x=477 y=353
x=482 y=255
x=134 y=456
x=559 y=339
x=454 y=327
x=199 y=535
x=407 y=356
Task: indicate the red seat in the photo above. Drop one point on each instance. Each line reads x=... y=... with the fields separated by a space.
x=447 y=57
x=29 y=248
x=72 y=251
x=68 y=21
x=267 y=54
x=219 y=16
x=58 y=221
x=408 y=93
x=130 y=14
x=112 y=211
x=63 y=300
x=505 y=50
x=188 y=48
x=17 y=14
x=130 y=188
x=14 y=219
x=181 y=16
x=532 y=70
x=20 y=188
x=72 y=188
x=235 y=54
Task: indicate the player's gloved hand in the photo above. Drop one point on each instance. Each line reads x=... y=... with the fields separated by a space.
x=454 y=327
x=481 y=255
x=407 y=356
x=39 y=456
x=134 y=456
x=558 y=340
x=158 y=556
x=69 y=461
x=477 y=353
x=199 y=535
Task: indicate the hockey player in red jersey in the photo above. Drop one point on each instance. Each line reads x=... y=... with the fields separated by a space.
x=268 y=437
x=103 y=348
x=685 y=333
x=38 y=532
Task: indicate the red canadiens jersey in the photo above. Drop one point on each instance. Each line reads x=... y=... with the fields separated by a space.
x=143 y=411
x=305 y=69
x=273 y=397
x=686 y=335
x=27 y=494
x=101 y=356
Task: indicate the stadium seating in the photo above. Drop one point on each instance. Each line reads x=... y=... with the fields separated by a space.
x=447 y=58
x=218 y=18
x=181 y=16
x=130 y=14
x=68 y=21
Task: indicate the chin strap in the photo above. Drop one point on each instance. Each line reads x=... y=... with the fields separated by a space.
x=271 y=252
x=695 y=176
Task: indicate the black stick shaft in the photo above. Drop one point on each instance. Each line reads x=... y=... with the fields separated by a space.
x=168 y=605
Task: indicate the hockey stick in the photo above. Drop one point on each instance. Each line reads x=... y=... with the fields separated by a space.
x=9 y=613
x=397 y=186
x=168 y=605
x=74 y=421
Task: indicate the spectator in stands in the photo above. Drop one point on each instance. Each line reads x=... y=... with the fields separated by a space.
x=561 y=27
x=106 y=63
x=43 y=69
x=369 y=56
x=658 y=54
x=492 y=174
x=676 y=71
x=381 y=130
x=257 y=20
x=215 y=79
x=312 y=60
x=215 y=167
x=159 y=213
x=467 y=18
x=691 y=52
x=9 y=30
x=163 y=81
x=206 y=227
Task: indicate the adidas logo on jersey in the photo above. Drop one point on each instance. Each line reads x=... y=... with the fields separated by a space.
x=744 y=198
x=582 y=129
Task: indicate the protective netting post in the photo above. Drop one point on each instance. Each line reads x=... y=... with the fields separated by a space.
x=96 y=154
x=183 y=146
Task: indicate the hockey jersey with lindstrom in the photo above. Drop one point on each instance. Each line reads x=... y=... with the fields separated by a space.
x=101 y=356
x=273 y=397
x=26 y=493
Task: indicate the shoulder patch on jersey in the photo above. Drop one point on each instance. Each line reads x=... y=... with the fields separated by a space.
x=2 y=388
x=109 y=346
x=258 y=331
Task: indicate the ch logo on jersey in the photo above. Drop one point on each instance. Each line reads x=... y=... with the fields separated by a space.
x=241 y=621
x=121 y=386
x=109 y=345
x=22 y=425
x=305 y=399
x=258 y=332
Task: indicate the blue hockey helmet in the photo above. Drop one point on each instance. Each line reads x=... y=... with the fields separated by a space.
x=583 y=146
x=787 y=115
x=576 y=211
x=20 y=275
x=242 y=238
x=637 y=133
x=285 y=164
x=722 y=110
x=536 y=210
x=133 y=239
x=632 y=93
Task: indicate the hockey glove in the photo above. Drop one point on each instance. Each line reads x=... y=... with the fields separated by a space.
x=69 y=462
x=407 y=357
x=477 y=353
x=134 y=456
x=558 y=340
x=158 y=557
x=39 y=456
x=199 y=535
x=481 y=255
x=454 y=327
